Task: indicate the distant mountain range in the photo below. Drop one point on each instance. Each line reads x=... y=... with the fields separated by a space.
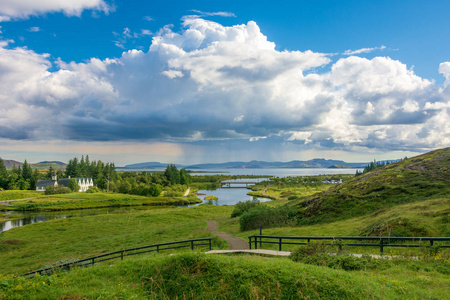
x=254 y=164
x=43 y=165
x=52 y=162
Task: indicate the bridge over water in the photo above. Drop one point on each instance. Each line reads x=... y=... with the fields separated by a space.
x=237 y=184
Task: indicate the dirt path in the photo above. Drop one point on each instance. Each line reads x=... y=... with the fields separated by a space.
x=234 y=243
x=187 y=192
x=7 y=202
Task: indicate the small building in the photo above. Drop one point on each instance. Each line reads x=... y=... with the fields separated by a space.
x=41 y=185
x=84 y=182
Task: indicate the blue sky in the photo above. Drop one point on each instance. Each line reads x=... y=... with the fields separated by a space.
x=213 y=81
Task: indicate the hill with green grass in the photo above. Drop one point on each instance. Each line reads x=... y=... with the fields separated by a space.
x=201 y=276
x=411 y=180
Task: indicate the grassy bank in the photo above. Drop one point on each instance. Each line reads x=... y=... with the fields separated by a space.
x=13 y=194
x=200 y=276
x=90 y=200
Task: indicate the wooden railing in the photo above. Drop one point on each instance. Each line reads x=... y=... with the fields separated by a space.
x=377 y=241
x=121 y=254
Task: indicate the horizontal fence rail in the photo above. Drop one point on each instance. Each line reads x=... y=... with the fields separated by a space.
x=121 y=254
x=254 y=240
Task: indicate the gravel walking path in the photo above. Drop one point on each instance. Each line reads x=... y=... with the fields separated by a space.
x=234 y=243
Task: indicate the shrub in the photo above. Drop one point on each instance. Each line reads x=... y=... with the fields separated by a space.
x=267 y=217
x=173 y=194
x=243 y=206
x=73 y=185
x=319 y=254
x=93 y=189
x=52 y=190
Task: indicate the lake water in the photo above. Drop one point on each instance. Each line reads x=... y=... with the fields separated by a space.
x=228 y=196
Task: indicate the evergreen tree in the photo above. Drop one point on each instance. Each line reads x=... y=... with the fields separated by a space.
x=172 y=174
x=27 y=171
x=49 y=173
x=34 y=179
x=82 y=168
x=185 y=178
x=73 y=185
x=3 y=175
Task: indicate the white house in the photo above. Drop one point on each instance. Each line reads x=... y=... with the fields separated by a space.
x=84 y=182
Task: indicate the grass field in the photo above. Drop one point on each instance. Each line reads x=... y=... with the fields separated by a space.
x=37 y=245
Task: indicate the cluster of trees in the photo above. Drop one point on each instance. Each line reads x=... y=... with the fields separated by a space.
x=103 y=175
x=372 y=166
x=97 y=170
x=19 y=178
x=151 y=183
x=25 y=178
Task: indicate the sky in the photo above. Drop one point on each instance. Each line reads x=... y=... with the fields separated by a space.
x=214 y=81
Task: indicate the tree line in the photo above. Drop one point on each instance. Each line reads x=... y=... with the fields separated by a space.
x=374 y=165
x=104 y=176
x=19 y=178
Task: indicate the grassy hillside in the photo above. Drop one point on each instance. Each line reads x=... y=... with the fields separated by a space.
x=415 y=179
x=200 y=276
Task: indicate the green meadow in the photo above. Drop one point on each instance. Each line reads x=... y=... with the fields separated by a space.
x=414 y=202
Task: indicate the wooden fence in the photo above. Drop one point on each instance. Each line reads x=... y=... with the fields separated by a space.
x=372 y=241
x=121 y=254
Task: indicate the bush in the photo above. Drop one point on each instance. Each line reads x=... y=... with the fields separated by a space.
x=294 y=197
x=52 y=190
x=93 y=189
x=73 y=185
x=268 y=217
x=243 y=206
x=309 y=249
x=321 y=254
x=173 y=194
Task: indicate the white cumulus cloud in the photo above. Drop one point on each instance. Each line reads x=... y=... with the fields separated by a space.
x=19 y=9
x=363 y=50
x=212 y=82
